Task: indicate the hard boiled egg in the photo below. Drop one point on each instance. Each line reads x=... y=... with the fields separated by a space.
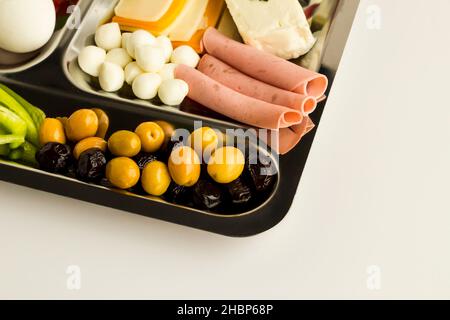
x=25 y=25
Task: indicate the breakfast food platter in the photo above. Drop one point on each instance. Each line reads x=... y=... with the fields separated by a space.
x=184 y=111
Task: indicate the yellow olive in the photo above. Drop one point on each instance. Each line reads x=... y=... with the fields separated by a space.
x=89 y=143
x=63 y=121
x=151 y=135
x=226 y=164
x=203 y=140
x=168 y=129
x=124 y=144
x=155 y=178
x=51 y=130
x=123 y=173
x=184 y=166
x=103 y=123
x=82 y=124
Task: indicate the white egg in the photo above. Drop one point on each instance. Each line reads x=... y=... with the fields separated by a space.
x=172 y=92
x=168 y=71
x=91 y=59
x=132 y=70
x=111 y=77
x=138 y=39
x=146 y=85
x=150 y=58
x=108 y=36
x=125 y=37
x=166 y=45
x=26 y=26
x=118 y=56
x=185 y=55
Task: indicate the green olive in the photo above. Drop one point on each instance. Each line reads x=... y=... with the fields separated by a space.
x=155 y=178
x=184 y=166
x=124 y=144
x=123 y=173
x=89 y=143
x=226 y=164
x=81 y=124
x=103 y=123
x=52 y=130
x=151 y=135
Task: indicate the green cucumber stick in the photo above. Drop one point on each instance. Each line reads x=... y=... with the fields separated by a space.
x=13 y=124
x=16 y=154
x=11 y=103
x=6 y=139
x=36 y=114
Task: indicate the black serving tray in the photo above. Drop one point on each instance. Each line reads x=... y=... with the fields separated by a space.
x=47 y=86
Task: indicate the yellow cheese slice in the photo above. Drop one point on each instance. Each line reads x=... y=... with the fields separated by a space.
x=144 y=10
x=156 y=27
x=184 y=28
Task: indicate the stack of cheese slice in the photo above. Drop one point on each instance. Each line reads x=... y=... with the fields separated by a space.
x=183 y=21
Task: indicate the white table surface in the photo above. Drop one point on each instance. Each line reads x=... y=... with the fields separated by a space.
x=375 y=192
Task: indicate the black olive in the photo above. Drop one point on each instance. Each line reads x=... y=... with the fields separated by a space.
x=91 y=165
x=54 y=157
x=179 y=195
x=239 y=192
x=143 y=159
x=168 y=147
x=261 y=172
x=207 y=195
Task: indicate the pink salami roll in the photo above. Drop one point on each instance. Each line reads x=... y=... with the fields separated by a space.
x=236 y=80
x=217 y=97
x=287 y=138
x=264 y=66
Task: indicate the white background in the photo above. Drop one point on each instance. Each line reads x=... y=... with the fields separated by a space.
x=375 y=192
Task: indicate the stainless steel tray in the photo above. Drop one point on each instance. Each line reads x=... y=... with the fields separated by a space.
x=47 y=86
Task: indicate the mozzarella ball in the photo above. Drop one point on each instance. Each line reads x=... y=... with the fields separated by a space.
x=165 y=44
x=172 y=92
x=150 y=58
x=146 y=85
x=168 y=71
x=125 y=37
x=185 y=55
x=111 y=77
x=118 y=56
x=91 y=59
x=138 y=39
x=132 y=70
x=108 y=36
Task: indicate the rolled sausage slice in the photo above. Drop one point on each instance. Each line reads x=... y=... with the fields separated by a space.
x=264 y=66
x=286 y=139
x=217 y=97
x=236 y=80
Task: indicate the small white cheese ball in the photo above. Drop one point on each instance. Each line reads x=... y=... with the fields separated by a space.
x=185 y=55
x=111 y=77
x=138 y=39
x=91 y=59
x=118 y=56
x=146 y=85
x=165 y=44
x=125 y=37
x=132 y=70
x=168 y=71
x=108 y=36
x=172 y=92
x=150 y=58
